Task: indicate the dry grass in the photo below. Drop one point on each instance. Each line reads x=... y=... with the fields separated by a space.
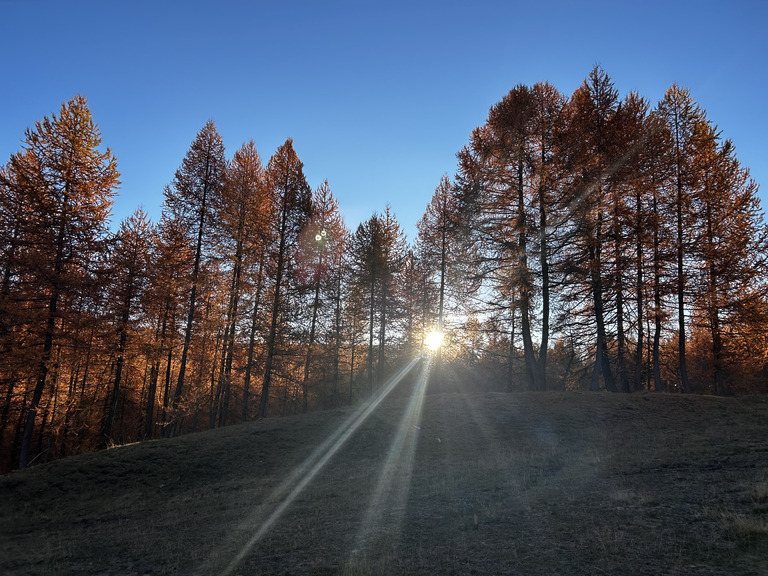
x=523 y=484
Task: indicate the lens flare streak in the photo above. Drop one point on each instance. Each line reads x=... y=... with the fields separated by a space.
x=289 y=490
x=394 y=483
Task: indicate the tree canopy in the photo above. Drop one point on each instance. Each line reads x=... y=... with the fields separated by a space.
x=592 y=241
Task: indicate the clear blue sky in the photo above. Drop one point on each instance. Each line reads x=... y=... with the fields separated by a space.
x=378 y=96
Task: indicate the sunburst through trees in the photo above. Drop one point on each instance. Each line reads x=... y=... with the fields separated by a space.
x=593 y=242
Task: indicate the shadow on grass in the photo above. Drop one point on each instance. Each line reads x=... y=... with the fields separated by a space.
x=461 y=483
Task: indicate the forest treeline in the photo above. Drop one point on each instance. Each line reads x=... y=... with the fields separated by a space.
x=585 y=242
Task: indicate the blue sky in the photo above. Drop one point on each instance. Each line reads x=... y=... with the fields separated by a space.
x=377 y=96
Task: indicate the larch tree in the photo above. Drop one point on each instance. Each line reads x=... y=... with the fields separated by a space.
x=626 y=207
x=193 y=198
x=682 y=115
x=506 y=154
x=435 y=230
x=392 y=256
x=512 y=120
x=655 y=235
x=243 y=214
x=419 y=297
x=548 y=126
x=337 y=281
x=368 y=263
x=14 y=345
x=67 y=184
x=293 y=198
x=320 y=245
x=258 y=281
x=171 y=263
x=644 y=175
x=436 y=257
x=591 y=113
x=128 y=268
x=734 y=243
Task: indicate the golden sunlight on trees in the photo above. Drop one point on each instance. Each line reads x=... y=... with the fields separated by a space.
x=595 y=242
x=242 y=219
x=66 y=185
x=630 y=204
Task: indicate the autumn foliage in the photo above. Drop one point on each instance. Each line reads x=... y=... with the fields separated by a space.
x=590 y=242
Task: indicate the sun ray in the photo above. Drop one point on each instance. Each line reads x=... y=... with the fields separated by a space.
x=284 y=495
x=394 y=483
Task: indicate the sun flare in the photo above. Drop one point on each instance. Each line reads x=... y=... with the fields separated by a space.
x=434 y=340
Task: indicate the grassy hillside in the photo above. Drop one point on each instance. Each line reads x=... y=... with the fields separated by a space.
x=524 y=484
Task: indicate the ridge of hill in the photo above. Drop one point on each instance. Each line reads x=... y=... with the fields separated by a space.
x=461 y=483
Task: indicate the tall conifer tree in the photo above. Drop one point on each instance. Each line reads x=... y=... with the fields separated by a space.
x=193 y=198
x=245 y=208
x=67 y=184
x=128 y=269
x=682 y=116
x=293 y=198
x=320 y=247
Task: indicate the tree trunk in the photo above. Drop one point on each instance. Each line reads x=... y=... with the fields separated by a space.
x=308 y=358
x=37 y=394
x=154 y=375
x=370 y=334
x=382 y=330
x=602 y=361
x=529 y=355
x=714 y=309
x=107 y=431
x=337 y=344
x=639 y=303
x=272 y=337
x=512 y=355
x=225 y=375
x=621 y=340
x=656 y=353
x=167 y=393
x=681 y=335
x=252 y=339
x=544 y=263
x=191 y=313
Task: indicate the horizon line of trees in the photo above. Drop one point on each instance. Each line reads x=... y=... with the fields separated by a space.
x=590 y=242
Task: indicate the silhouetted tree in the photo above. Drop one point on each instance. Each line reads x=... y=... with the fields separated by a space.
x=293 y=196
x=733 y=246
x=377 y=254
x=591 y=114
x=682 y=116
x=193 y=198
x=320 y=245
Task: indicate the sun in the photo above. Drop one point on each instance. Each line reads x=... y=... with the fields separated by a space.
x=434 y=340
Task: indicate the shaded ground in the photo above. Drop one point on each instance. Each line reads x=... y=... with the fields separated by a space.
x=524 y=484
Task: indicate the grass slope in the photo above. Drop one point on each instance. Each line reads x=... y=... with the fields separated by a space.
x=487 y=483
